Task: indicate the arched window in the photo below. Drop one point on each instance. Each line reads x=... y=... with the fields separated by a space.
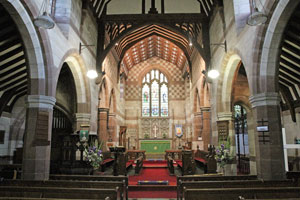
x=155 y=95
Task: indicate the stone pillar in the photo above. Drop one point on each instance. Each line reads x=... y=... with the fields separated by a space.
x=228 y=117
x=37 y=141
x=112 y=128
x=206 y=130
x=269 y=152
x=102 y=126
x=197 y=123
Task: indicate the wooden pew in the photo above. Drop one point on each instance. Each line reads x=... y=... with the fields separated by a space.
x=233 y=184
x=170 y=163
x=139 y=164
x=68 y=184
x=206 y=159
x=58 y=192
x=235 y=193
x=187 y=165
x=107 y=160
x=211 y=177
x=123 y=179
x=10 y=171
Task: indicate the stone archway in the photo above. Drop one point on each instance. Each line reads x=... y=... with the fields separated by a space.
x=225 y=101
x=265 y=98
x=36 y=143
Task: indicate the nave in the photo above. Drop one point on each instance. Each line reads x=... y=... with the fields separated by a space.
x=193 y=99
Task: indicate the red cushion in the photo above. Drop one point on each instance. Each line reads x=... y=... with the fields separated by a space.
x=179 y=163
x=128 y=164
x=107 y=161
x=201 y=160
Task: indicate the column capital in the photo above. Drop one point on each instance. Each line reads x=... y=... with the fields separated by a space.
x=83 y=117
x=225 y=116
x=205 y=109
x=265 y=99
x=40 y=101
x=103 y=110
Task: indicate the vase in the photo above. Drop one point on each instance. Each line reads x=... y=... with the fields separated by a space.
x=223 y=171
x=97 y=171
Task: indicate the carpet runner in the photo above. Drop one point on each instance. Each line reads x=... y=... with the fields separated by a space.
x=154 y=181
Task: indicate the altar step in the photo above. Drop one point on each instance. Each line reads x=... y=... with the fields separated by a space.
x=154 y=163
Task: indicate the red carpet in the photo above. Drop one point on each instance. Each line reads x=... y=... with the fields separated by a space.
x=153 y=171
x=153 y=174
x=155 y=163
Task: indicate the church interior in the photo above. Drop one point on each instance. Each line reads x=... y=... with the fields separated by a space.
x=150 y=99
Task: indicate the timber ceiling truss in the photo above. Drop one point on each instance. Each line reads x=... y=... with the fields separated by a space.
x=137 y=37
x=13 y=66
x=289 y=65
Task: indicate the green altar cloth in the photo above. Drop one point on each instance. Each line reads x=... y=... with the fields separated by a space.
x=155 y=146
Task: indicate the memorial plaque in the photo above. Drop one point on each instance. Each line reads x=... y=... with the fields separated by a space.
x=223 y=130
x=41 y=134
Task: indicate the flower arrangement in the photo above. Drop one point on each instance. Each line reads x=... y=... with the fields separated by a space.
x=223 y=154
x=93 y=154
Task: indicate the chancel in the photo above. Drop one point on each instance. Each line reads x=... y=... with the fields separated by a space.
x=149 y=99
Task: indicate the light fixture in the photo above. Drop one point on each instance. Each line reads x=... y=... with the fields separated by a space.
x=256 y=17
x=83 y=46
x=224 y=45
x=44 y=20
x=213 y=74
x=92 y=74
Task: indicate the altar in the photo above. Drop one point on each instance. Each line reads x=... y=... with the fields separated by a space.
x=155 y=148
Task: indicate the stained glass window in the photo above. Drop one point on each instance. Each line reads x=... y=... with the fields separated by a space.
x=155 y=101
x=164 y=100
x=146 y=101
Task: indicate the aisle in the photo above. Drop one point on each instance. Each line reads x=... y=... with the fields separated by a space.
x=157 y=173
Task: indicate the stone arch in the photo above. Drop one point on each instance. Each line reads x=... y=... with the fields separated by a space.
x=270 y=49
x=204 y=91
x=112 y=117
x=196 y=104
x=103 y=94
x=78 y=69
x=154 y=67
x=112 y=102
x=230 y=64
x=33 y=47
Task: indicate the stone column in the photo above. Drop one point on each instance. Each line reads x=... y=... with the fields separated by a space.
x=112 y=131
x=228 y=117
x=102 y=125
x=82 y=119
x=269 y=150
x=197 y=123
x=37 y=148
x=206 y=126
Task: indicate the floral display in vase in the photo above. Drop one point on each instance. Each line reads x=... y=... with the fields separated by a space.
x=223 y=156
x=93 y=154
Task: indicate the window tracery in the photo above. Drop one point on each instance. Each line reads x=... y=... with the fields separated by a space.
x=155 y=102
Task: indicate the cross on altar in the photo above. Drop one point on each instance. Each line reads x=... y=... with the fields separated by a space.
x=155 y=129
